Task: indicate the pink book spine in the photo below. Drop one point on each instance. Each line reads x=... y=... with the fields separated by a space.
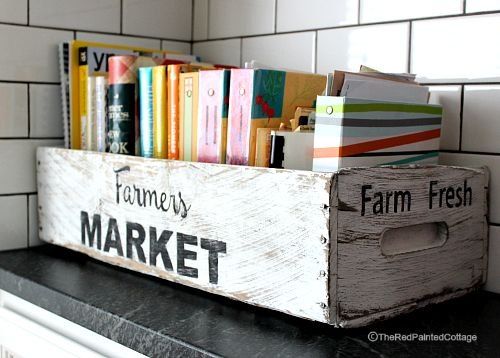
x=239 y=117
x=210 y=115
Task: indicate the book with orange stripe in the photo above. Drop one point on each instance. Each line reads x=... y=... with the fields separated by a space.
x=357 y=132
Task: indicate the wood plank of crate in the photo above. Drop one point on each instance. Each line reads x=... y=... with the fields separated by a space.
x=346 y=248
x=273 y=224
x=371 y=285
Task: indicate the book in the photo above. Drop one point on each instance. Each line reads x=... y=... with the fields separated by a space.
x=146 y=111
x=188 y=116
x=160 y=149
x=173 y=73
x=353 y=132
x=63 y=51
x=173 y=103
x=213 y=91
x=292 y=150
x=262 y=98
x=96 y=113
x=122 y=104
x=98 y=53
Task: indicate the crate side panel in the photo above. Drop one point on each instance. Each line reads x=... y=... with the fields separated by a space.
x=372 y=285
x=251 y=234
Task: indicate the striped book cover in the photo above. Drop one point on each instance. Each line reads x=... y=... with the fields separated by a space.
x=355 y=133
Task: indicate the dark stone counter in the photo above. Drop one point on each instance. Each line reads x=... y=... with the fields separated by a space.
x=159 y=318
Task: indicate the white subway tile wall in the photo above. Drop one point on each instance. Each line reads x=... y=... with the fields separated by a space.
x=450 y=97
x=95 y=15
x=182 y=47
x=33 y=221
x=13 y=222
x=223 y=51
x=45 y=111
x=449 y=46
x=168 y=19
x=229 y=18
x=29 y=53
x=458 y=49
x=13 y=110
x=482 y=5
x=14 y=11
x=384 y=47
x=292 y=15
x=30 y=97
x=200 y=20
x=291 y=51
x=387 y=10
x=481 y=118
x=120 y=40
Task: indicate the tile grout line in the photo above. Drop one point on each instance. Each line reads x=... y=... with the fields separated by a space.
x=208 y=20
x=241 y=52
x=275 y=16
x=121 y=17
x=469 y=152
x=18 y=194
x=359 y=12
x=28 y=220
x=97 y=32
x=462 y=95
x=192 y=28
x=440 y=17
x=28 y=108
x=410 y=30
x=315 y=53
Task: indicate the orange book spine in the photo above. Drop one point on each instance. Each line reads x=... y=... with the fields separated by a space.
x=173 y=72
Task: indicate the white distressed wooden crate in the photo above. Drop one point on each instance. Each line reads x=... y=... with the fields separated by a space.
x=330 y=247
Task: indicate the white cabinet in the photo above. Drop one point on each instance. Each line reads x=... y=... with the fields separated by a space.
x=27 y=331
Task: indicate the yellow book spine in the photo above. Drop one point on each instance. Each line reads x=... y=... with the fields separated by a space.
x=160 y=148
x=194 y=126
x=82 y=101
x=185 y=82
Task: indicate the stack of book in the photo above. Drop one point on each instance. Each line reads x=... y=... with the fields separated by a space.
x=158 y=104
x=372 y=118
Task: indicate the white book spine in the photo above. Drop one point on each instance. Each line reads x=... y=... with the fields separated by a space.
x=96 y=114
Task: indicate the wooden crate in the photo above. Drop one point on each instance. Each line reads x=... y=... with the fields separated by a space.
x=344 y=248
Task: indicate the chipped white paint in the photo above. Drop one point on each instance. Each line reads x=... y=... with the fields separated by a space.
x=372 y=285
x=296 y=241
x=272 y=222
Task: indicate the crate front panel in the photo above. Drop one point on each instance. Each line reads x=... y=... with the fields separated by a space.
x=259 y=236
x=373 y=284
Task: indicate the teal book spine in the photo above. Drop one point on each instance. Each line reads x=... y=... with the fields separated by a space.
x=146 y=111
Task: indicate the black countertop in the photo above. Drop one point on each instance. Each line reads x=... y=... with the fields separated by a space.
x=159 y=318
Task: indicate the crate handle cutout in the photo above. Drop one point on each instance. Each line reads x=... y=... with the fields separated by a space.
x=412 y=238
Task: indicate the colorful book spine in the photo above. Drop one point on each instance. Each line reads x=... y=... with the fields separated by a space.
x=96 y=113
x=122 y=104
x=188 y=116
x=146 y=111
x=173 y=73
x=263 y=99
x=353 y=132
x=82 y=99
x=212 y=115
x=160 y=149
